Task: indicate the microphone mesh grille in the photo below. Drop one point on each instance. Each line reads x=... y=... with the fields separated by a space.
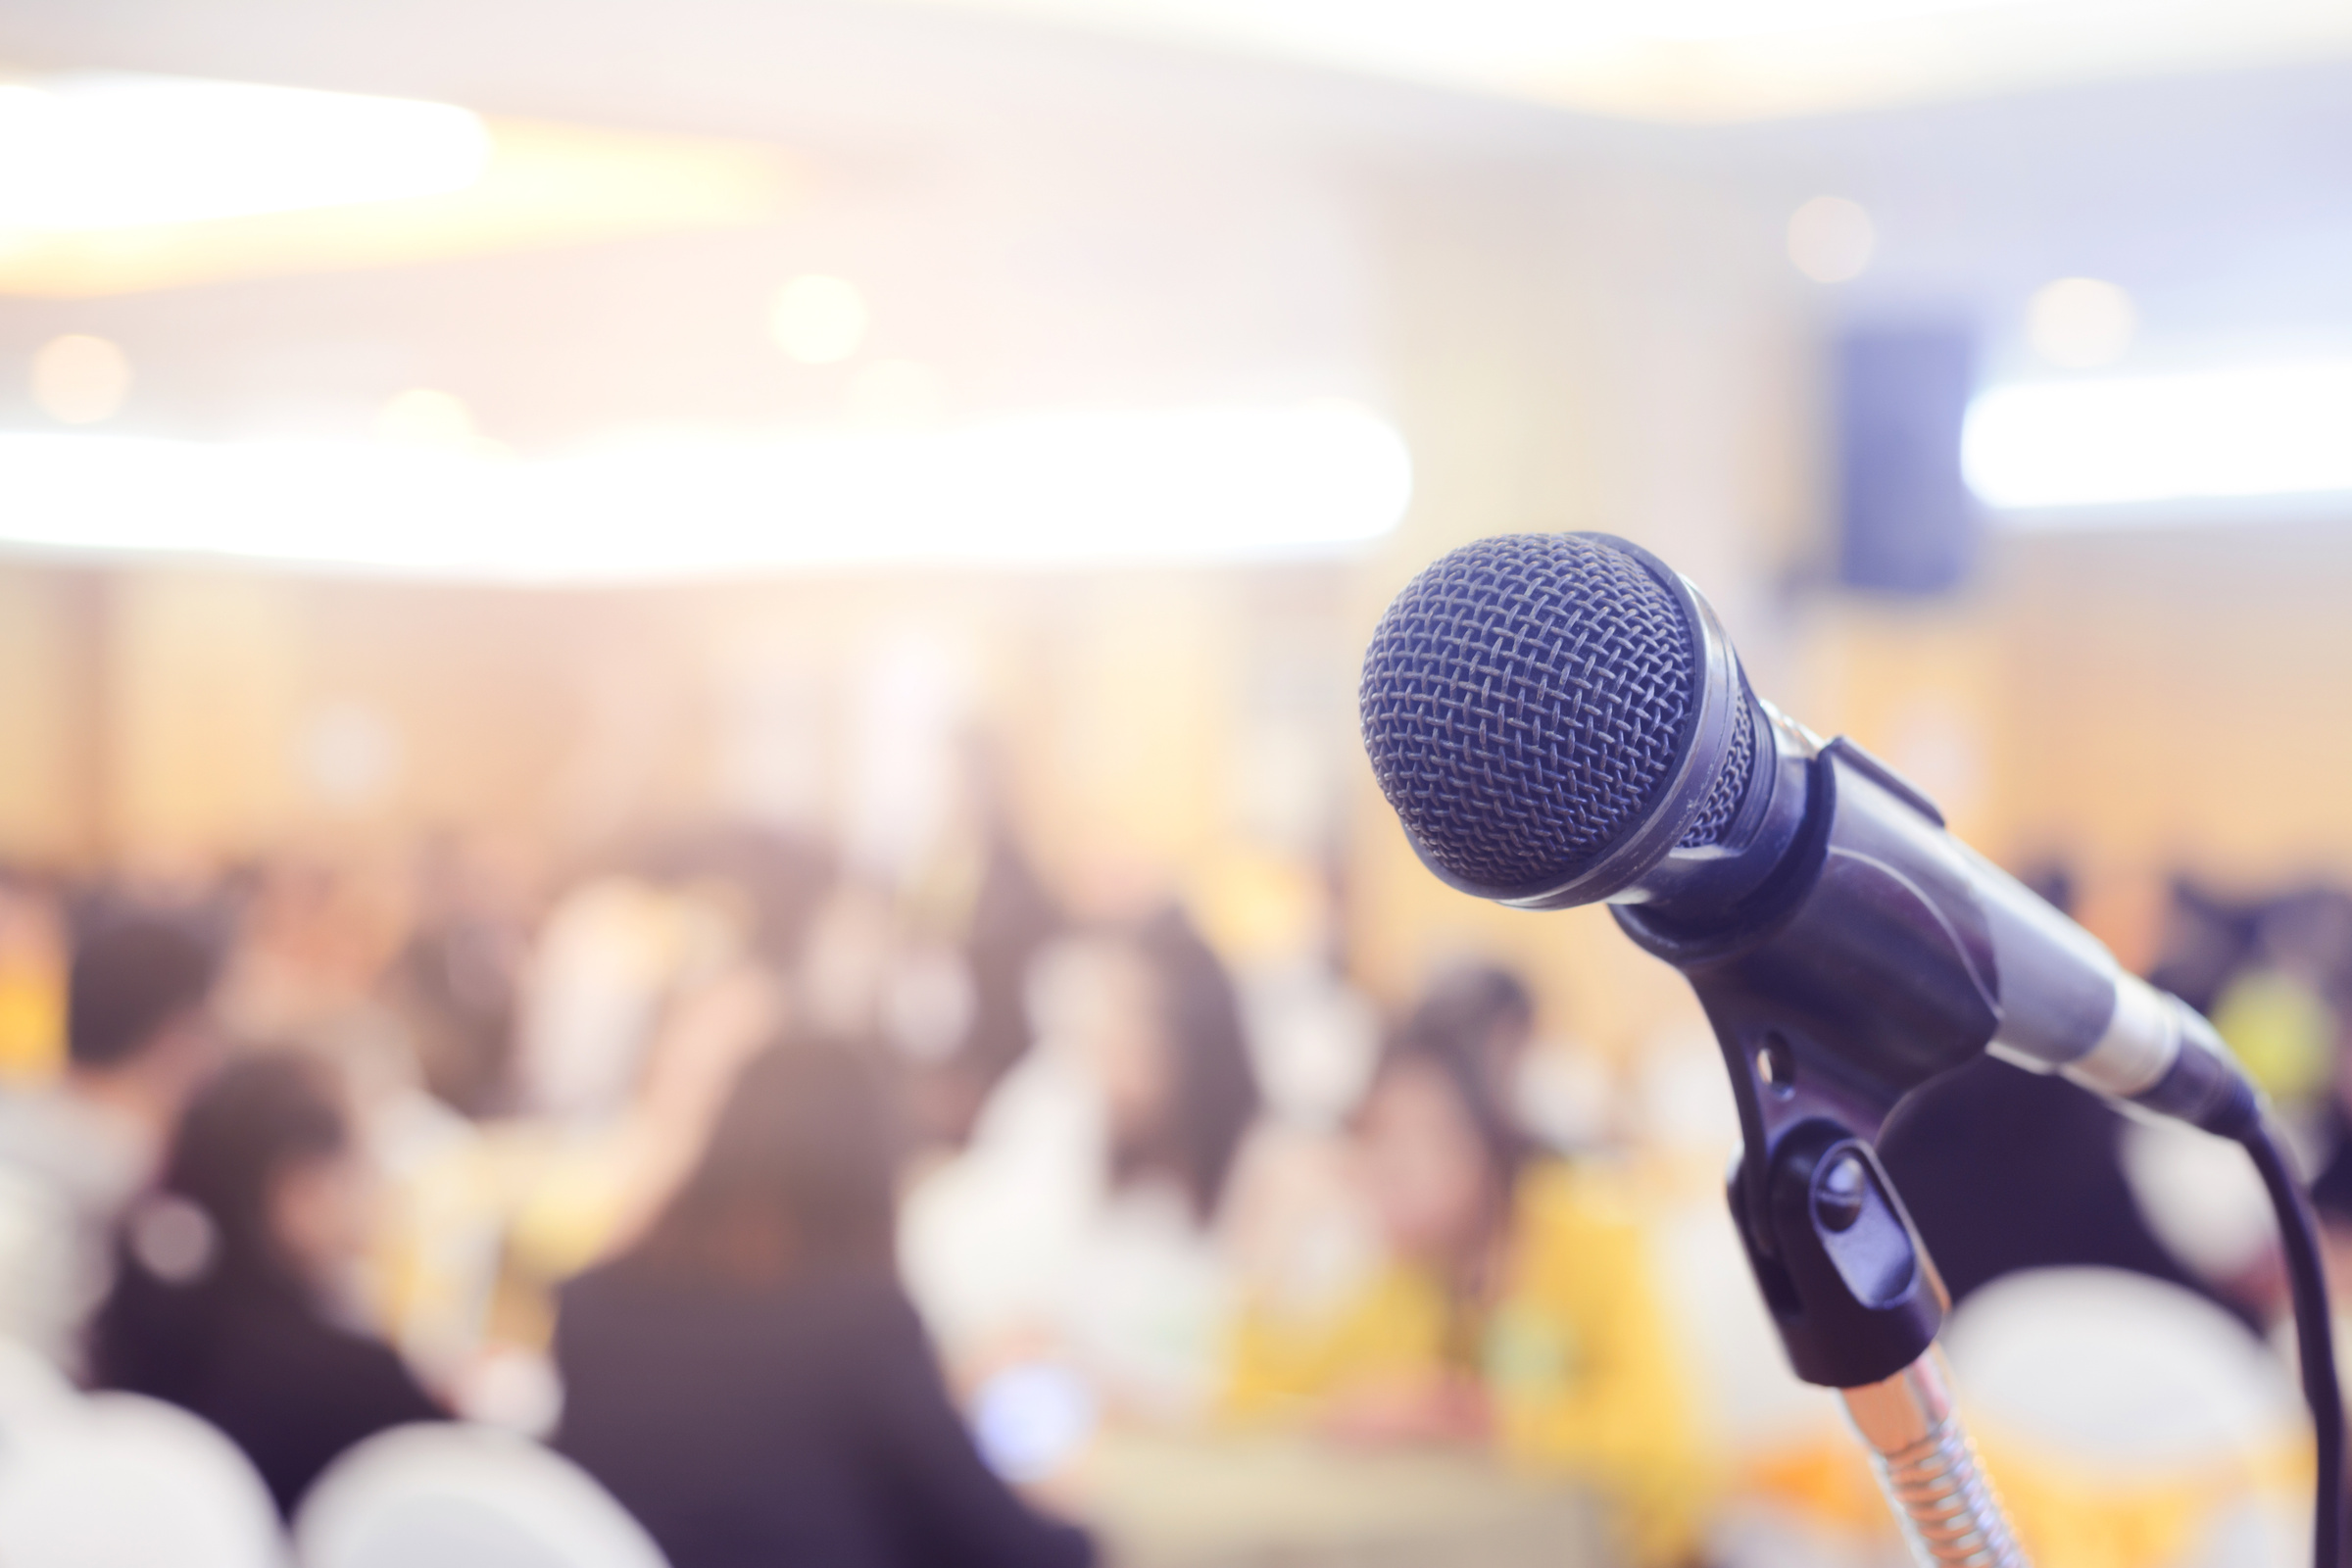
x=1522 y=701
x=1723 y=797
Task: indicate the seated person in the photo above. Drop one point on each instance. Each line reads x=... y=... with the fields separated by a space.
x=1516 y=1309
x=749 y=1379
x=138 y=1039
x=234 y=1294
x=1088 y=1220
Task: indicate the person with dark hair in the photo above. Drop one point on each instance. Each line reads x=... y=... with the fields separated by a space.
x=1192 y=1128
x=751 y=1381
x=1010 y=919
x=1481 y=1019
x=2054 y=1191
x=1516 y=1307
x=454 y=984
x=1088 y=1213
x=232 y=1296
x=138 y=1040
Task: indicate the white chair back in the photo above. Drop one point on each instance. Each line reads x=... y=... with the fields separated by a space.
x=31 y=1391
x=463 y=1496
x=2118 y=1375
x=119 y=1481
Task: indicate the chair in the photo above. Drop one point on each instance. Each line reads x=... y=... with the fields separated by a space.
x=463 y=1496
x=121 y=1481
x=31 y=1391
x=2132 y=1423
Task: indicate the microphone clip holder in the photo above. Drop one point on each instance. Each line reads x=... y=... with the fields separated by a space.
x=1858 y=1303
x=1822 y=1038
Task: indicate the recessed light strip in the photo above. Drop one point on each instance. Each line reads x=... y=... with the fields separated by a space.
x=95 y=152
x=2244 y=431
x=1039 y=491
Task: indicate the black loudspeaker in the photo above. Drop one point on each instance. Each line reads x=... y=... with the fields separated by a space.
x=1906 y=522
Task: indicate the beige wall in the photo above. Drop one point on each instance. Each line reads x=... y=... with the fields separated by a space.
x=1564 y=352
x=1563 y=348
x=2129 y=704
x=1583 y=350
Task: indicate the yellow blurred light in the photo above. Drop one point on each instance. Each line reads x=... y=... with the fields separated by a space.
x=78 y=379
x=425 y=417
x=546 y=185
x=1831 y=239
x=1036 y=491
x=817 y=320
x=2081 y=323
x=897 y=392
x=107 y=151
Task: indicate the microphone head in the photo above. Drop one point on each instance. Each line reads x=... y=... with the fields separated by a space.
x=1551 y=714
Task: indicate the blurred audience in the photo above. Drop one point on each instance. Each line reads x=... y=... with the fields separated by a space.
x=237 y=1293
x=455 y=982
x=140 y=1039
x=1132 y=1202
x=749 y=1378
x=313 y=935
x=2205 y=941
x=32 y=982
x=2052 y=1192
x=977 y=894
x=1085 y=1217
x=645 y=992
x=2279 y=1009
x=1517 y=1306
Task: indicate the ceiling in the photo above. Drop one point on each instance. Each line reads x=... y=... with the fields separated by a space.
x=1049 y=189
x=541 y=185
x=1708 y=61
x=755 y=65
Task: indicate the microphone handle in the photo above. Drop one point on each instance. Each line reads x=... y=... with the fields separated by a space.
x=1910 y=952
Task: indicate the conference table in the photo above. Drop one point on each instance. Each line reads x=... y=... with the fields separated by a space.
x=1285 y=1501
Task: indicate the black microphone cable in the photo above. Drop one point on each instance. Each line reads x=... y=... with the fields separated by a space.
x=2314 y=1333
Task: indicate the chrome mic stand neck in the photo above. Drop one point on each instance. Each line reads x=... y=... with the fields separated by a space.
x=1928 y=1471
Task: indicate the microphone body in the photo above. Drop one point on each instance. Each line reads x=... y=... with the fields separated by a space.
x=1559 y=721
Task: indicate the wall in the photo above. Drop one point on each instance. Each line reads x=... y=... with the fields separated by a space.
x=2129 y=704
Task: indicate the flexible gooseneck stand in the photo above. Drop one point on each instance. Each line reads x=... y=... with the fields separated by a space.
x=1928 y=1468
x=1820 y=1045
x=1858 y=1303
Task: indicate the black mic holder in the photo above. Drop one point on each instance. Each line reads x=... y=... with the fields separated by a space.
x=1834 y=991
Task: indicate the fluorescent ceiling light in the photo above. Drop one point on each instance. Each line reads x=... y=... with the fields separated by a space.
x=1040 y=491
x=2256 y=431
x=112 y=152
x=1697 y=20
x=1711 y=61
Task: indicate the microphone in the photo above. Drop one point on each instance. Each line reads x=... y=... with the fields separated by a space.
x=1559 y=719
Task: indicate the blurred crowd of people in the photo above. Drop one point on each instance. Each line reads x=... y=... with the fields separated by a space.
x=827 y=1217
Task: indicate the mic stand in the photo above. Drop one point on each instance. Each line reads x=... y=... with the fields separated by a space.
x=1851 y=1289
x=1832 y=997
x=1928 y=1468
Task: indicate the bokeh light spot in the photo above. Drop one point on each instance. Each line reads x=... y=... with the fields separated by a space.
x=423 y=417
x=2078 y=322
x=1831 y=239
x=78 y=379
x=897 y=392
x=817 y=320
